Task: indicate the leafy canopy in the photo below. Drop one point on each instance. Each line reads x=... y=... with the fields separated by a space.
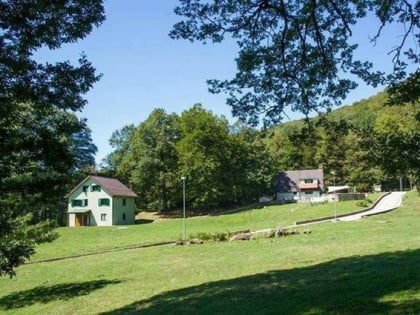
x=297 y=53
x=224 y=165
x=41 y=140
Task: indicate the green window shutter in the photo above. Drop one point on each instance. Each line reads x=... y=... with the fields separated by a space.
x=95 y=188
x=77 y=203
x=103 y=202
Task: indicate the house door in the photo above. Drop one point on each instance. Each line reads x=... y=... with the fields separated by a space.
x=80 y=219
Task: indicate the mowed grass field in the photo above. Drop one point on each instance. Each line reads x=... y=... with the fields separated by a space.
x=365 y=267
x=93 y=239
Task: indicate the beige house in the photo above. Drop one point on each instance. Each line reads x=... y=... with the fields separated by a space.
x=100 y=201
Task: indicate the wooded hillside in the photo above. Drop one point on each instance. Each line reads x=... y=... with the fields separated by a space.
x=365 y=143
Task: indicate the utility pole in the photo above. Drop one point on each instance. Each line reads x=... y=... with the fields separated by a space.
x=183 y=208
x=335 y=207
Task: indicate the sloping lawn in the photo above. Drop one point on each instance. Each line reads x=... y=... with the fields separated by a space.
x=73 y=241
x=365 y=267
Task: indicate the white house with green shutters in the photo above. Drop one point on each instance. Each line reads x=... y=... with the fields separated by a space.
x=100 y=201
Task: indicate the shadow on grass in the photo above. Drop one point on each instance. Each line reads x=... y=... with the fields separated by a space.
x=45 y=294
x=144 y=221
x=387 y=283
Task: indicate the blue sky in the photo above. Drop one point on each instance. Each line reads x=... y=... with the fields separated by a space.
x=144 y=69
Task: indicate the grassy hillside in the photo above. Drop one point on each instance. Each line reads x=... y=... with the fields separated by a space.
x=92 y=239
x=364 y=267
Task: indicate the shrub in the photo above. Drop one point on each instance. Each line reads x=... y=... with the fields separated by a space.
x=215 y=237
x=362 y=203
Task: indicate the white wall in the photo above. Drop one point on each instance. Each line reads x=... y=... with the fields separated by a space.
x=93 y=205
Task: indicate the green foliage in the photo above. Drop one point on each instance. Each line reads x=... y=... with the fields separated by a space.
x=224 y=165
x=296 y=53
x=205 y=152
x=365 y=144
x=152 y=160
x=42 y=142
x=362 y=203
x=396 y=141
x=18 y=237
x=215 y=237
x=120 y=141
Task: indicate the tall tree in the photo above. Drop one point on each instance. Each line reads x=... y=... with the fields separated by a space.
x=152 y=161
x=297 y=53
x=204 y=153
x=251 y=166
x=396 y=141
x=37 y=131
x=82 y=147
x=120 y=141
x=331 y=149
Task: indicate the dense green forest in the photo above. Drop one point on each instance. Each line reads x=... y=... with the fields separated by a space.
x=224 y=164
x=227 y=165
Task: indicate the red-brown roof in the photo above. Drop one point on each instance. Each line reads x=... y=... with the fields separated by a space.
x=111 y=185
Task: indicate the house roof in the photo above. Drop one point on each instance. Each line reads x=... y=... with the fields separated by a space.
x=111 y=185
x=289 y=180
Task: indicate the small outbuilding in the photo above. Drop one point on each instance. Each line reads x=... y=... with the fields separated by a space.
x=100 y=201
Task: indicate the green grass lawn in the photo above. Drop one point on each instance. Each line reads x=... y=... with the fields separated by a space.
x=364 y=267
x=74 y=241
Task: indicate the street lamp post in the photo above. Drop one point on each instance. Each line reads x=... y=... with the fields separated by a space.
x=183 y=208
x=335 y=207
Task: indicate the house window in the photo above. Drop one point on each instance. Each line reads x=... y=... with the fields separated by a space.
x=103 y=202
x=124 y=202
x=77 y=203
x=85 y=188
x=103 y=216
x=123 y=216
x=96 y=188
